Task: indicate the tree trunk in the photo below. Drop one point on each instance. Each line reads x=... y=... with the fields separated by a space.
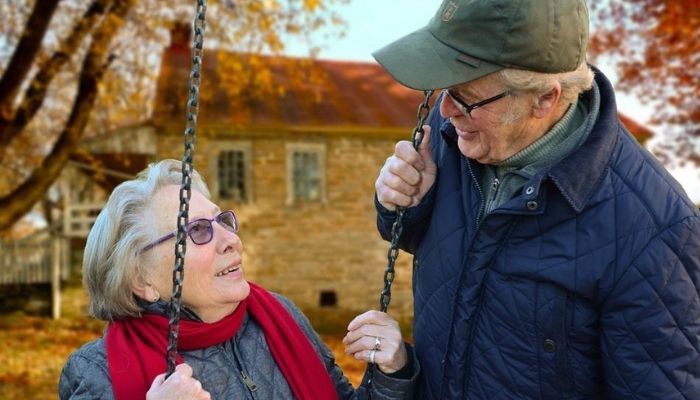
x=21 y=200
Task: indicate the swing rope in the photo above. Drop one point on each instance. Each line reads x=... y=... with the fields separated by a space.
x=186 y=186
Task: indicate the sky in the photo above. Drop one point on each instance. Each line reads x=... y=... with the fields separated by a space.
x=373 y=24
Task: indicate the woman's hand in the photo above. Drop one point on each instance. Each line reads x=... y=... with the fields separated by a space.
x=179 y=385
x=375 y=337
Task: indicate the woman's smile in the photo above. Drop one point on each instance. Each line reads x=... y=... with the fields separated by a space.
x=233 y=271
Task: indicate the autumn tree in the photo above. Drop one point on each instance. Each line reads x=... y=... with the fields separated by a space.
x=656 y=47
x=76 y=69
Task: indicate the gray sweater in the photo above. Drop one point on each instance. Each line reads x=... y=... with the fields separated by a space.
x=241 y=368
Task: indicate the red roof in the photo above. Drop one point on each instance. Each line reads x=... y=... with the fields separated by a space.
x=639 y=131
x=350 y=94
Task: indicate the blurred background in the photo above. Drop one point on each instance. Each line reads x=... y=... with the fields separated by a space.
x=295 y=121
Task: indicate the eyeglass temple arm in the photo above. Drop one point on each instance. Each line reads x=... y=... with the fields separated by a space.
x=159 y=241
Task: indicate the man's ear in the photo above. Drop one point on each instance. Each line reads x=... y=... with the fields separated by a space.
x=547 y=103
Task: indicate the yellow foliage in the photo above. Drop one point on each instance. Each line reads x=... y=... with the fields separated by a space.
x=311 y=5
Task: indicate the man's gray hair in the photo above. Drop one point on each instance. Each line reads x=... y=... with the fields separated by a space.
x=112 y=261
x=572 y=83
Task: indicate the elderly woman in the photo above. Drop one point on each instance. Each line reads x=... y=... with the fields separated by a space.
x=237 y=340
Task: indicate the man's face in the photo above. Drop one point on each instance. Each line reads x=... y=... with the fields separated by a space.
x=495 y=131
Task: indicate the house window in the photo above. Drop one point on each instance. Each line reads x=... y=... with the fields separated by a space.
x=328 y=298
x=232 y=171
x=232 y=184
x=306 y=172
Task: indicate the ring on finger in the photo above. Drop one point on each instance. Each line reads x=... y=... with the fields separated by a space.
x=372 y=353
x=377 y=343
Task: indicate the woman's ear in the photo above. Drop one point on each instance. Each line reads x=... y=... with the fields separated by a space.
x=146 y=292
x=548 y=102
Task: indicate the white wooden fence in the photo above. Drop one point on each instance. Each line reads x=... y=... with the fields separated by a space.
x=38 y=258
x=78 y=218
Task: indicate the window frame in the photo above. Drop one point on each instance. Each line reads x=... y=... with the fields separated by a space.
x=315 y=148
x=223 y=146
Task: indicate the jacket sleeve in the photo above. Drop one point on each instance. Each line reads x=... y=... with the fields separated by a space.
x=382 y=387
x=85 y=376
x=416 y=219
x=651 y=320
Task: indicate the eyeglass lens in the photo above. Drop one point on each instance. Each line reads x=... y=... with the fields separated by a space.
x=201 y=231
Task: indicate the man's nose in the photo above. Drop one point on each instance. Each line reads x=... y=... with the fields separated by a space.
x=448 y=108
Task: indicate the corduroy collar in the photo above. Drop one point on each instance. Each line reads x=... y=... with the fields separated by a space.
x=578 y=175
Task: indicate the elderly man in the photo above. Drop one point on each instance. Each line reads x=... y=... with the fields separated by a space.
x=554 y=258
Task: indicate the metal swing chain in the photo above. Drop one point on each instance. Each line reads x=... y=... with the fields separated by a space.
x=397 y=227
x=186 y=187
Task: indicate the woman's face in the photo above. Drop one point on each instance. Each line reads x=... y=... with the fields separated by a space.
x=213 y=275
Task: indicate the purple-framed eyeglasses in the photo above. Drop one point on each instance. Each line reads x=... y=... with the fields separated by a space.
x=201 y=231
x=468 y=108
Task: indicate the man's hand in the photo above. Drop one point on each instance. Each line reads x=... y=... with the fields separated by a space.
x=407 y=175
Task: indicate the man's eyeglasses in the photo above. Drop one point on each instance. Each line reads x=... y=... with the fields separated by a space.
x=468 y=108
x=201 y=230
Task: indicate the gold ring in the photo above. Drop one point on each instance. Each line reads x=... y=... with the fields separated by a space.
x=372 y=353
x=377 y=343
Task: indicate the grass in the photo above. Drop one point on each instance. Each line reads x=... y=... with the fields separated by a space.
x=35 y=348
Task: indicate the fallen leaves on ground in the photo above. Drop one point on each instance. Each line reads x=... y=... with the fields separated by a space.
x=35 y=348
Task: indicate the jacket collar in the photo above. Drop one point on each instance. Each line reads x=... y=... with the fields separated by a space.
x=577 y=176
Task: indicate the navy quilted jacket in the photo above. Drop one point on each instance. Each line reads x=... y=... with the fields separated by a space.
x=584 y=286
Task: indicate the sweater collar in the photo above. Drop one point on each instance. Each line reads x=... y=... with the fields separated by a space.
x=548 y=146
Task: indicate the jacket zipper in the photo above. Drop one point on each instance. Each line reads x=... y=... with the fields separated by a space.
x=247 y=380
x=477 y=311
x=470 y=338
x=494 y=188
x=482 y=204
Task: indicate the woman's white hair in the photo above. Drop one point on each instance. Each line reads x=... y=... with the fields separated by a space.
x=112 y=261
x=572 y=83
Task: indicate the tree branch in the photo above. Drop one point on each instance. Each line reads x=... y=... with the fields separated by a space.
x=21 y=200
x=23 y=56
x=36 y=92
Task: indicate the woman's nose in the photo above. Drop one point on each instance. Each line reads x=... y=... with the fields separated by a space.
x=226 y=239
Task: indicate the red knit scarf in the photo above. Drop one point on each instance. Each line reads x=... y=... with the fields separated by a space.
x=136 y=347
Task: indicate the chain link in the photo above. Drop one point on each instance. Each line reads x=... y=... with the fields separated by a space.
x=397 y=227
x=186 y=187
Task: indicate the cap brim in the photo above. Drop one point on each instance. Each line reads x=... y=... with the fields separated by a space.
x=420 y=61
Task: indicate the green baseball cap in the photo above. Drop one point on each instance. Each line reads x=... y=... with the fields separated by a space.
x=468 y=39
